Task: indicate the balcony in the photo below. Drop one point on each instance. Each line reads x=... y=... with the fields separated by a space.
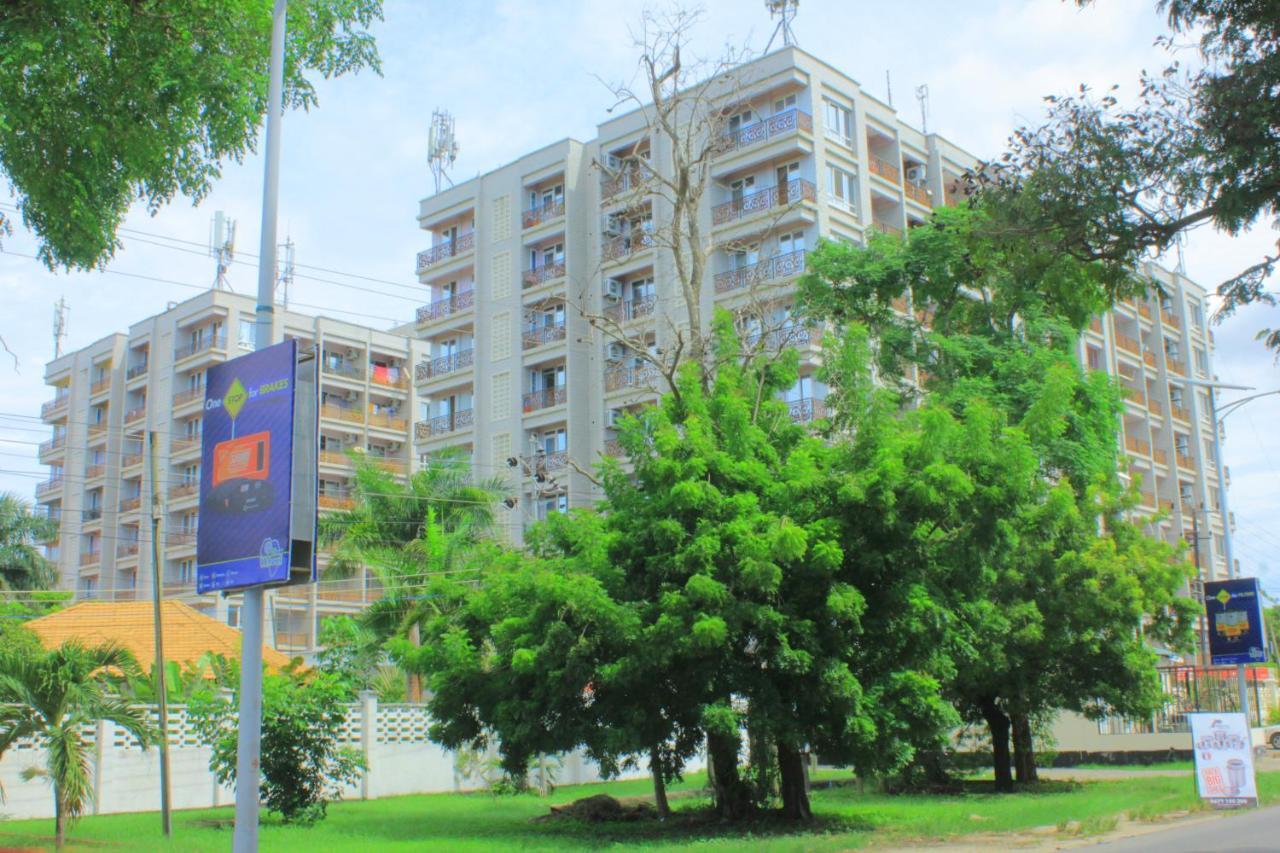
x=386 y=463
x=336 y=458
x=335 y=500
x=1135 y=396
x=130 y=504
x=545 y=398
x=769 y=198
x=212 y=342
x=630 y=376
x=444 y=365
x=541 y=335
x=346 y=414
x=1161 y=457
x=101 y=386
x=135 y=415
x=183 y=398
x=786 y=122
x=444 y=424
x=630 y=177
x=885 y=169
x=56 y=406
x=1135 y=445
x=788 y=336
x=542 y=462
x=1176 y=367
x=125 y=550
x=345 y=370
x=631 y=309
x=454 y=248
x=807 y=409
x=613 y=447
x=54 y=444
x=390 y=378
x=184 y=490
x=622 y=247
x=48 y=487
x=1156 y=408
x=1185 y=461
x=90 y=558
x=1181 y=413
x=447 y=307
x=181 y=539
x=130 y=460
x=386 y=420
x=90 y=515
x=535 y=216
x=93 y=472
x=1144 y=311
x=135 y=371
x=543 y=274
x=1170 y=319
x=918 y=194
x=179 y=446
x=769 y=270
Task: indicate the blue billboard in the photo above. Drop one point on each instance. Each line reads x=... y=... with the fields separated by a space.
x=1233 y=609
x=246 y=470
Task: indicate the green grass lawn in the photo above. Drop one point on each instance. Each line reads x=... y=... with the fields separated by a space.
x=465 y=822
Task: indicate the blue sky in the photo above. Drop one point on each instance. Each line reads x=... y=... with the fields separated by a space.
x=519 y=75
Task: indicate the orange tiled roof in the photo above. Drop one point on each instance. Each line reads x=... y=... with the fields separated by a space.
x=188 y=633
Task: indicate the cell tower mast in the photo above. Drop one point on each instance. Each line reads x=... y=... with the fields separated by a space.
x=922 y=95
x=442 y=147
x=284 y=276
x=222 y=247
x=785 y=12
x=60 y=311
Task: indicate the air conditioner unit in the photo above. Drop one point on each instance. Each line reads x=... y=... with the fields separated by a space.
x=613 y=288
x=917 y=174
x=615 y=351
x=612 y=227
x=613 y=417
x=612 y=162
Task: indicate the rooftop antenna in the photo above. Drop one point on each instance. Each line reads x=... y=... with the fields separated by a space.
x=922 y=95
x=888 y=87
x=60 y=311
x=1179 y=241
x=222 y=247
x=284 y=272
x=442 y=147
x=785 y=12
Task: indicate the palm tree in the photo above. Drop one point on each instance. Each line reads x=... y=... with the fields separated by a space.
x=405 y=533
x=51 y=696
x=22 y=566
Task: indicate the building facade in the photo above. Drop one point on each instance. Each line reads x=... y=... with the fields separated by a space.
x=544 y=275
x=112 y=399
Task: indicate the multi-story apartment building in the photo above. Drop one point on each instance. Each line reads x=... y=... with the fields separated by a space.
x=527 y=260
x=111 y=397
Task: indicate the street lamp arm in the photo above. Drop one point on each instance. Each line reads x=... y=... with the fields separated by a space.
x=1235 y=404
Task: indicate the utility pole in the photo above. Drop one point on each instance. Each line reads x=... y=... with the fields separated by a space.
x=1201 y=620
x=249 y=743
x=162 y=689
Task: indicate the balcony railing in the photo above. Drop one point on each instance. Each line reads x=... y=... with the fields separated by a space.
x=134 y=415
x=1161 y=456
x=631 y=309
x=386 y=463
x=1136 y=396
x=1185 y=461
x=183 y=445
x=183 y=490
x=136 y=371
x=126 y=549
x=89 y=558
x=629 y=177
x=444 y=424
x=535 y=216
x=203 y=345
x=613 y=447
x=1155 y=408
x=92 y=472
x=630 y=376
x=131 y=459
x=1170 y=319
x=1137 y=445
x=91 y=514
x=447 y=306
x=788 y=336
x=807 y=409
x=436 y=254
x=769 y=198
x=444 y=364
x=335 y=457
x=348 y=414
x=543 y=274
x=130 y=504
x=1181 y=413
x=386 y=420
x=54 y=405
x=335 y=500
x=620 y=247
x=540 y=335
x=52 y=484
x=397 y=378
x=344 y=369
x=545 y=398
x=103 y=384
x=883 y=168
x=181 y=539
x=190 y=395
x=770 y=269
x=787 y=121
x=917 y=193
x=56 y=443
x=1176 y=367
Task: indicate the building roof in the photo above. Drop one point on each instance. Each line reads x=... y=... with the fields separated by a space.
x=188 y=633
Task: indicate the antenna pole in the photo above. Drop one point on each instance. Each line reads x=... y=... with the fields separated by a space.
x=888 y=87
x=286 y=271
x=785 y=12
x=60 y=309
x=922 y=95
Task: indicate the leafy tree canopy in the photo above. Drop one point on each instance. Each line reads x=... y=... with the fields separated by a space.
x=104 y=102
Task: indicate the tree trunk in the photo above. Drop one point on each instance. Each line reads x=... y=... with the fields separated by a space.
x=1024 y=749
x=732 y=799
x=59 y=819
x=658 y=768
x=413 y=686
x=998 y=726
x=795 y=788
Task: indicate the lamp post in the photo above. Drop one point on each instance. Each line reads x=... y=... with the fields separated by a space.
x=1216 y=420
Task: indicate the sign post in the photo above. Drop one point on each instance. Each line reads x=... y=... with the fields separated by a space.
x=1237 y=632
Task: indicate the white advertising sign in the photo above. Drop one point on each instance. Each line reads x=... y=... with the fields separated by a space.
x=1224 y=760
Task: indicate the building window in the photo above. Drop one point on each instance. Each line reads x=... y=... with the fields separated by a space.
x=842 y=187
x=233 y=616
x=247 y=333
x=1093 y=356
x=1202 y=362
x=1197 y=314
x=784 y=103
x=793 y=242
x=553 y=504
x=839 y=124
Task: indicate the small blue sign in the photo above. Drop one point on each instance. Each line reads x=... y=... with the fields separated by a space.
x=246 y=470
x=1236 y=631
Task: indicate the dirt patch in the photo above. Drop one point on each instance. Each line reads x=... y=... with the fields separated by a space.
x=602 y=808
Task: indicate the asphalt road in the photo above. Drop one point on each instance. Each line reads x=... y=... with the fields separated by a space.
x=1246 y=833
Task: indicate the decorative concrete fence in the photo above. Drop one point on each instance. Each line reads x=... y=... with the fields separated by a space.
x=392 y=738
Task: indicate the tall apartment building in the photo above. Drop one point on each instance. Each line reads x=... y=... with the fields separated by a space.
x=110 y=396
x=520 y=257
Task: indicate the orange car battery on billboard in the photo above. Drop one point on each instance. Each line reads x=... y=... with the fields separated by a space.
x=248 y=458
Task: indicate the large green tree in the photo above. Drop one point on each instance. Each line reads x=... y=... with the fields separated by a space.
x=52 y=696
x=108 y=102
x=22 y=531
x=1112 y=181
x=1058 y=603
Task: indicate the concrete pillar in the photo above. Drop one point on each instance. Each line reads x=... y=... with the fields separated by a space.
x=368 y=727
x=101 y=734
